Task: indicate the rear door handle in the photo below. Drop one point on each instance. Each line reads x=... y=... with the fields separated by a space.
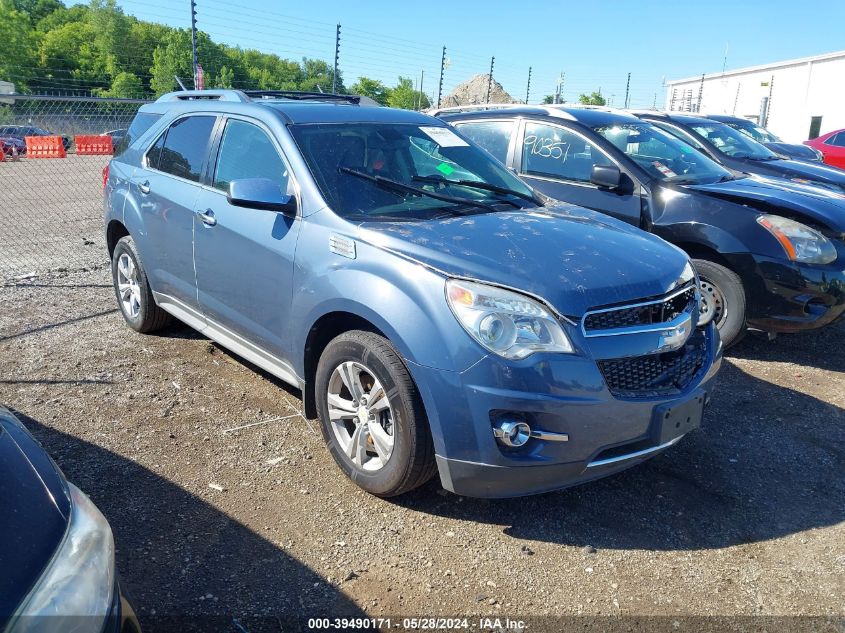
x=144 y=187
x=207 y=217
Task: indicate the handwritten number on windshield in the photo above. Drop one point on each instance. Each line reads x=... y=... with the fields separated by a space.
x=547 y=147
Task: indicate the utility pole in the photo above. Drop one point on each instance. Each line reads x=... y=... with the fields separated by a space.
x=490 y=79
x=336 y=57
x=769 y=102
x=422 y=76
x=627 y=90
x=442 y=70
x=528 y=87
x=559 y=90
x=700 y=93
x=194 y=41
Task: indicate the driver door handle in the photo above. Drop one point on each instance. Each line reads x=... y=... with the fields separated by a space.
x=144 y=187
x=207 y=217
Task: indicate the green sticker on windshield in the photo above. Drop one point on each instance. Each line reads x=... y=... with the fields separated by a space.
x=445 y=169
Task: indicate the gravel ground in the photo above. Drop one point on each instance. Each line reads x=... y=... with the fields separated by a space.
x=742 y=518
x=51 y=216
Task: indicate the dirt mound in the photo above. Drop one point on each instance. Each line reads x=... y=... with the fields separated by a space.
x=474 y=91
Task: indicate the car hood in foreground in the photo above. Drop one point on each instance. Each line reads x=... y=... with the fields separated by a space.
x=793 y=150
x=573 y=258
x=35 y=513
x=780 y=196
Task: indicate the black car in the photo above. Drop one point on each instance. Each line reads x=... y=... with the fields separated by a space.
x=768 y=256
x=56 y=548
x=741 y=153
x=22 y=131
x=795 y=151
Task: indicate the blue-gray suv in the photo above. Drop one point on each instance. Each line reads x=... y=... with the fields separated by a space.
x=435 y=314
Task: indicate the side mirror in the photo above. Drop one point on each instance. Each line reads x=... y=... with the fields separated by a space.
x=606 y=176
x=260 y=193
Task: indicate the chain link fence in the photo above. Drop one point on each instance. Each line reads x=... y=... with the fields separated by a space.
x=51 y=208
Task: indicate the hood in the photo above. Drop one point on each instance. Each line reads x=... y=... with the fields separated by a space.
x=799 y=170
x=573 y=258
x=36 y=510
x=793 y=150
x=782 y=197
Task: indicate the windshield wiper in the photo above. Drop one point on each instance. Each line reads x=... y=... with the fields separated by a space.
x=476 y=184
x=395 y=185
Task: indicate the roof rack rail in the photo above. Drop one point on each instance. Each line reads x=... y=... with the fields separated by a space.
x=297 y=95
x=211 y=95
x=478 y=106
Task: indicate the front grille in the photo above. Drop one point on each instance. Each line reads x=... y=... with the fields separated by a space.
x=643 y=314
x=656 y=374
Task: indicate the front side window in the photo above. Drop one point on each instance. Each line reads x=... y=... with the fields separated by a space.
x=554 y=152
x=186 y=147
x=661 y=154
x=247 y=152
x=493 y=136
x=390 y=171
x=732 y=143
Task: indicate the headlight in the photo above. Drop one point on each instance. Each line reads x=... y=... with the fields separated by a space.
x=506 y=323
x=801 y=243
x=79 y=583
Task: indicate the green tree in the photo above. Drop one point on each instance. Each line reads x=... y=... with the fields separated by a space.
x=172 y=58
x=404 y=96
x=371 y=88
x=224 y=78
x=317 y=75
x=37 y=9
x=548 y=99
x=124 y=86
x=594 y=98
x=17 y=61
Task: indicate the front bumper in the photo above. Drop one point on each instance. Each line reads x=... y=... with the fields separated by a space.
x=555 y=393
x=782 y=296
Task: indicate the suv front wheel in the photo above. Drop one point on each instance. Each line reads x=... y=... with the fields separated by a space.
x=371 y=415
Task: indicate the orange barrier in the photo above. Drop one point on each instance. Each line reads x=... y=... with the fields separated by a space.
x=45 y=147
x=90 y=145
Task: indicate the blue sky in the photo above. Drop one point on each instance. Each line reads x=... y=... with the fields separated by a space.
x=596 y=44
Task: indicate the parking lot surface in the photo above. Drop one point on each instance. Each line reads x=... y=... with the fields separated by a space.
x=743 y=517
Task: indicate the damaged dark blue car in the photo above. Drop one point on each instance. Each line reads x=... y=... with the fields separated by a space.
x=437 y=317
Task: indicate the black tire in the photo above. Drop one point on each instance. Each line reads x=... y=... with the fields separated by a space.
x=149 y=317
x=411 y=462
x=730 y=319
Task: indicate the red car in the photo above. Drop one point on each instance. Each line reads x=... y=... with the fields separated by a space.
x=832 y=147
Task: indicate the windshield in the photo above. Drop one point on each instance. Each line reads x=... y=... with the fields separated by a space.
x=371 y=171
x=759 y=134
x=731 y=142
x=663 y=155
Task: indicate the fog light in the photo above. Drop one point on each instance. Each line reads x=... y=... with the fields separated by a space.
x=513 y=433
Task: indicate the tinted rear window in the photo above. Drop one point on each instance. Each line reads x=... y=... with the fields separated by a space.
x=186 y=147
x=142 y=122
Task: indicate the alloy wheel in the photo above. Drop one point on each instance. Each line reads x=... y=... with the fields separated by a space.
x=361 y=416
x=127 y=286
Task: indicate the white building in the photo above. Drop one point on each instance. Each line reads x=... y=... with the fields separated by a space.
x=796 y=99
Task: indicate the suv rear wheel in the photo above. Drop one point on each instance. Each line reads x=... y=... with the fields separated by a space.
x=371 y=415
x=132 y=289
x=722 y=295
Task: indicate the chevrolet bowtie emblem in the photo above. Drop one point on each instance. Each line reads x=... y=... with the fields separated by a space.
x=674 y=337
